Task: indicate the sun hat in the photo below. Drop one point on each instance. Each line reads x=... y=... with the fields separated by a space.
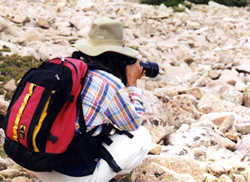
x=105 y=35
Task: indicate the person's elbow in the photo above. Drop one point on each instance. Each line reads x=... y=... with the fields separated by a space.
x=135 y=121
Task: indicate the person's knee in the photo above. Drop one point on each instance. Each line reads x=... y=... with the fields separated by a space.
x=141 y=144
x=143 y=138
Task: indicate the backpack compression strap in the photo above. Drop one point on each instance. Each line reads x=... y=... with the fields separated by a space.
x=104 y=137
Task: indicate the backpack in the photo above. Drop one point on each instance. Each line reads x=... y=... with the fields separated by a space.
x=40 y=121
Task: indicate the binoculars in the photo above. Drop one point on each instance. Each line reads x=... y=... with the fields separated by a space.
x=151 y=68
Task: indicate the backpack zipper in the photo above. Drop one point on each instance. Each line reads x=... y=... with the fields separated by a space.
x=63 y=59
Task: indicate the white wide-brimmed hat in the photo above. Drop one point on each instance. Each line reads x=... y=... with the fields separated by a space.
x=105 y=35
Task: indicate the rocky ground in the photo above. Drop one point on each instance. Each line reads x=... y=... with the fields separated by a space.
x=198 y=108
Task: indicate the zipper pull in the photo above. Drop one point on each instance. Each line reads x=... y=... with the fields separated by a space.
x=57 y=77
x=62 y=59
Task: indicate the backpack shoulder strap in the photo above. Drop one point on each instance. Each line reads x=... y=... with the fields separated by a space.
x=79 y=99
x=82 y=123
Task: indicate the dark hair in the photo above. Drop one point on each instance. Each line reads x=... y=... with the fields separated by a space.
x=111 y=62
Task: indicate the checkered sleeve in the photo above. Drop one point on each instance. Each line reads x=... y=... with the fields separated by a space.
x=126 y=108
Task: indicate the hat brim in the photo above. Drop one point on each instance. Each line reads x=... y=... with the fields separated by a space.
x=94 y=50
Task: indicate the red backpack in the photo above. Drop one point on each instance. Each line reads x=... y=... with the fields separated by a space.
x=40 y=121
x=43 y=110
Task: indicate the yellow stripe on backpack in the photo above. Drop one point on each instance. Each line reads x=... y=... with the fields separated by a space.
x=20 y=111
x=39 y=125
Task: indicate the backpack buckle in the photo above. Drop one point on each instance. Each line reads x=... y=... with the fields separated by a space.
x=112 y=132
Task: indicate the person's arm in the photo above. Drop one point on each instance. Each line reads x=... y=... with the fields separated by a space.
x=126 y=108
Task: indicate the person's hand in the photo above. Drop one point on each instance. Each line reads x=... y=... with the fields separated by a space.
x=133 y=72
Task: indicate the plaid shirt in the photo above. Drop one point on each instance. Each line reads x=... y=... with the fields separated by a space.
x=105 y=99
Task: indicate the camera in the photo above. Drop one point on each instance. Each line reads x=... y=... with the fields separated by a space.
x=151 y=68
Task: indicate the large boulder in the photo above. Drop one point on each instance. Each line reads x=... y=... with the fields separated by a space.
x=169 y=168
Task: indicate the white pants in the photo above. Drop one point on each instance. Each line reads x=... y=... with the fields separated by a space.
x=127 y=152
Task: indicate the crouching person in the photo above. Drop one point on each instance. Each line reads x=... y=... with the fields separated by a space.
x=110 y=97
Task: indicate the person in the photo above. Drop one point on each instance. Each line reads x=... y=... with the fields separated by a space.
x=110 y=95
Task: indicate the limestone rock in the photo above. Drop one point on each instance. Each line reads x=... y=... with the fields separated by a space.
x=158 y=128
x=246 y=97
x=232 y=135
x=156 y=150
x=200 y=153
x=42 y=23
x=218 y=168
x=178 y=150
x=3 y=106
x=152 y=104
x=238 y=178
x=210 y=178
x=225 y=178
x=243 y=127
x=21 y=179
x=196 y=92
x=85 y=5
x=11 y=173
x=211 y=103
x=242 y=111
x=229 y=76
x=152 y=169
x=214 y=74
x=3 y=25
x=224 y=142
x=224 y=123
x=3 y=164
x=19 y=19
x=169 y=91
x=31 y=35
x=10 y=85
x=243 y=146
x=156 y=173
x=243 y=68
x=176 y=73
x=231 y=95
x=181 y=109
x=191 y=137
x=2 y=137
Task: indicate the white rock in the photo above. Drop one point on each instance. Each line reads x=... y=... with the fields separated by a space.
x=10 y=85
x=10 y=172
x=21 y=179
x=212 y=103
x=243 y=146
x=246 y=97
x=210 y=178
x=193 y=137
x=163 y=167
x=218 y=168
x=243 y=127
x=225 y=178
x=238 y=178
x=244 y=68
x=231 y=95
